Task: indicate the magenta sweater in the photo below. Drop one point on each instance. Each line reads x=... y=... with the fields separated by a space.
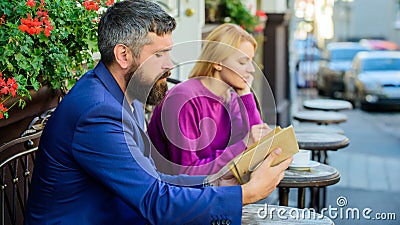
x=197 y=131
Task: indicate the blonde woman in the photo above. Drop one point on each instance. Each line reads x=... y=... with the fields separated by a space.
x=207 y=120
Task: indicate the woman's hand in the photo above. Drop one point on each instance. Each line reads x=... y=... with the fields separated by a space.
x=226 y=179
x=247 y=89
x=256 y=133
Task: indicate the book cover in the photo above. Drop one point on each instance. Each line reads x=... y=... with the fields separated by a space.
x=246 y=162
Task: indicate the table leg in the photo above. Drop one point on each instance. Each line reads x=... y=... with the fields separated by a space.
x=324 y=192
x=301 y=198
x=315 y=198
x=325 y=157
x=283 y=196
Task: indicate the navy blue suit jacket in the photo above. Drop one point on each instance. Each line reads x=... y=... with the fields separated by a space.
x=91 y=168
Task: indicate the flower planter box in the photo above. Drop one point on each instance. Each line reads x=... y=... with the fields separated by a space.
x=20 y=119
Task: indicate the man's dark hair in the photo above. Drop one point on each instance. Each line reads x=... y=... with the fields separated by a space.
x=129 y=22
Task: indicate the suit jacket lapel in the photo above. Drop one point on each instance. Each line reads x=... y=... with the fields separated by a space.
x=137 y=113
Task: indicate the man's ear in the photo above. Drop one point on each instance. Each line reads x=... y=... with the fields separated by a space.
x=122 y=55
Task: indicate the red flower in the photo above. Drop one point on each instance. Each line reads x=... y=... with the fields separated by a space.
x=4 y=90
x=260 y=13
x=259 y=28
x=109 y=3
x=3 y=110
x=27 y=21
x=8 y=88
x=37 y=24
x=31 y=3
x=13 y=86
x=31 y=31
x=91 y=5
x=23 y=27
x=47 y=31
x=2 y=19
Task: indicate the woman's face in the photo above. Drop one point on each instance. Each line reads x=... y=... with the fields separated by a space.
x=237 y=69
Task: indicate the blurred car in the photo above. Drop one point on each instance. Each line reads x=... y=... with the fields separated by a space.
x=339 y=56
x=374 y=80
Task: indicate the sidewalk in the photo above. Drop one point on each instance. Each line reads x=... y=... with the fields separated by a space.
x=369 y=168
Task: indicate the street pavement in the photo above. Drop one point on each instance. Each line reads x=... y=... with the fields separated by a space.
x=369 y=188
x=369 y=168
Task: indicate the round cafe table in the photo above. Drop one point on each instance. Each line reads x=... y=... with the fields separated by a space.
x=320 y=117
x=312 y=127
x=314 y=177
x=320 y=141
x=263 y=214
x=327 y=104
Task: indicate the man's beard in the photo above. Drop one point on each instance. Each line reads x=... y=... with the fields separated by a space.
x=157 y=92
x=151 y=93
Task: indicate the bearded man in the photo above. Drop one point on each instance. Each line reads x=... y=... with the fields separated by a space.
x=92 y=165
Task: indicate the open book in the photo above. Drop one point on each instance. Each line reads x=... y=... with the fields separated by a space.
x=246 y=162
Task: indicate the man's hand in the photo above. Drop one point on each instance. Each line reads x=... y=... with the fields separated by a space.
x=264 y=179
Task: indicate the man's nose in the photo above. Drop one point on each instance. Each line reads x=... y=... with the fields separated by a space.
x=168 y=64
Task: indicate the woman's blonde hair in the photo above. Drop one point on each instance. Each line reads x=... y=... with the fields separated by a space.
x=222 y=42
